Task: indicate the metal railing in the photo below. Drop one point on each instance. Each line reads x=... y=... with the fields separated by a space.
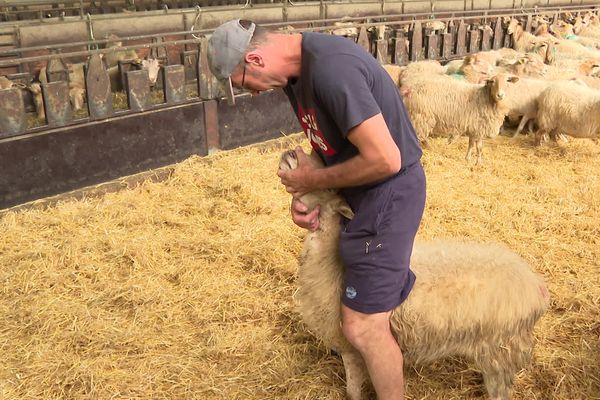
x=186 y=78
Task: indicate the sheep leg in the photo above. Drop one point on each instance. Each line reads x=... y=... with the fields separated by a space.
x=530 y=126
x=555 y=136
x=356 y=374
x=498 y=383
x=470 y=148
x=539 y=136
x=423 y=129
x=452 y=138
x=479 y=147
x=524 y=120
x=496 y=376
x=499 y=362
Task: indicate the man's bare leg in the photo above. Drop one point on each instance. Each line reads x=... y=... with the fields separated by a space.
x=370 y=334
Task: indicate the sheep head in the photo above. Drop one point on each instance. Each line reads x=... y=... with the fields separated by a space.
x=329 y=200
x=513 y=24
x=528 y=65
x=545 y=50
x=114 y=41
x=578 y=25
x=589 y=67
x=77 y=97
x=497 y=86
x=5 y=83
x=562 y=29
x=476 y=69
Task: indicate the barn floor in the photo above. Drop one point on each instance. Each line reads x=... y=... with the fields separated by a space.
x=182 y=289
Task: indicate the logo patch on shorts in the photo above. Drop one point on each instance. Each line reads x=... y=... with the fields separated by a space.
x=350 y=292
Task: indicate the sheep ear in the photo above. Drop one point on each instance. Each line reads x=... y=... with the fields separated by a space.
x=344 y=209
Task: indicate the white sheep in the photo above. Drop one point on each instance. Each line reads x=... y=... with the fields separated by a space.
x=5 y=83
x=150 y=64
x=112 y=58
x=521 y=99
x=567 y=69
x=586 y=26
x=394 y=72
x=36 y=93
x=566 y=48
x=478 y=301
x=76 y=78
x=452 y=107
x=564 y=30
x=424 y=67
x=476 y=68
x=528 y=64
x=435 y=25
x=590 y=81
x=343 y=28
x=569 y=108
x=479 y=67
x=524 y=41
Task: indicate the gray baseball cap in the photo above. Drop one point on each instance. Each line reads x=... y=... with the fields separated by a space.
x=226 y=48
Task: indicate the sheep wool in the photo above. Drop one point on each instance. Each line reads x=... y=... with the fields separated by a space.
x=451 y=107
x=479 y=301
x=569 y=108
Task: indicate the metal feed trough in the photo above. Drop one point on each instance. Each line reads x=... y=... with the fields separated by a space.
x=142 y=127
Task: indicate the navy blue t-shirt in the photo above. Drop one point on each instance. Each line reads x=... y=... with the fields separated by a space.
x=341 y=85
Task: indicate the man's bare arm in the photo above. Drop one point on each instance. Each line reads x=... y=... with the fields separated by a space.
x=378 y=158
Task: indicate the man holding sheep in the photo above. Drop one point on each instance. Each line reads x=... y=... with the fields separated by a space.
x=353 y=115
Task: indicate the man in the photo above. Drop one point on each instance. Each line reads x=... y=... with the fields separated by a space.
x=354 y=117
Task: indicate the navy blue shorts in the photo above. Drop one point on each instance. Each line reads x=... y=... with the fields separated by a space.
x=377 y=243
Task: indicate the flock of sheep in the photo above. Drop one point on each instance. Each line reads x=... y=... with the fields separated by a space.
x=549 y=80
x=76 y=76
x=491 y=299
x=479 y=301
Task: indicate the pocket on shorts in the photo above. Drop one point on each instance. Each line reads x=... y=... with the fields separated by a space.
x=370 y=216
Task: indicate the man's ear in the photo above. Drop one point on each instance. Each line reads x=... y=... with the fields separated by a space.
x=255 y=58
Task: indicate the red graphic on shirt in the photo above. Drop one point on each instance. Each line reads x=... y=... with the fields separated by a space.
x=308 y=120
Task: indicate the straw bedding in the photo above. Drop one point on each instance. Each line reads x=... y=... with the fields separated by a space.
x=182 y=289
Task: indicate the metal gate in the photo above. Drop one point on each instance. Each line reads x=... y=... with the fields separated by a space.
x=142 y=127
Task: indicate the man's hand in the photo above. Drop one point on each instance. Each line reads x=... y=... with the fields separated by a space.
x=297 y=181
x=302 y=217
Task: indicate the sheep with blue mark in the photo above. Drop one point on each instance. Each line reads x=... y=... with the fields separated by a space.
x=478 y=301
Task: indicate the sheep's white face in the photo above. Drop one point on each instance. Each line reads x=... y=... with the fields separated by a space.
x=288 y=160
x=589 y=68
x=562 y=28
x=5 y=83
x=529 y=65
x=153 y=67
x=512 y=26
x=498 y=84
x=77 y=96
x=479 y=68
x=543 y=50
